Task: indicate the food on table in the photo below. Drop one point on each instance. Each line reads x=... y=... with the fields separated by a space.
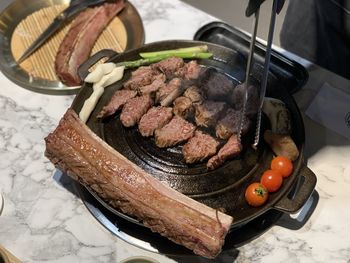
x=200 y=147
x=216 y=85
x=142 y=76
x=157 y=83
x=169 y=66
x=256 y=194
x=208 y=113
x=167 y=94
x=154 y=119
x=229 y=124
x=283 y=165
x=282 y=145
x=231 y=149
x=76 y=150
x=100 y=70
x=176 y=131
x=194 y=94
x=183 y=107
x=134 y=109
x=190 y=71
x=119 y=98
x=237 y=99
x=278 y=115
x=80 y=39
x=272 y=180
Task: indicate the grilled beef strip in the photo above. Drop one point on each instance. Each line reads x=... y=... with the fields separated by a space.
x=229 y=124
x=168 y=93
x=183 y=107
x=119 y=98
x=231 y=149
x=74 y=149
x=194 y=94
x=142 y=76
x=157 y=83
x=176 y=131
x=155 y=118
x=134 y=109
x=80 y=39
x=169 y=66
x=208 y=113
x=200 y=147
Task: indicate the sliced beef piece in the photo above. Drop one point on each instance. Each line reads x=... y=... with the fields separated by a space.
x=134 y=109
x=237 y=99
x=231 y=149
x=119 y=98
x=157 y=83
x=141 y=77
x=216 y=85
x=183 y=107
x=80 y=39
x=168 y=93
x=169 y=66
x=76 y=150
x=176 y=131
x=194 y=94
x=190 y=71
x=208 y=113
x=155 y=118
x=230 y=123
x=200 y=147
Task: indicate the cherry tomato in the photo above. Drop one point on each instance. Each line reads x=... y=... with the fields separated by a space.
x=272 y=180
x=283 y=165
x=256 y=194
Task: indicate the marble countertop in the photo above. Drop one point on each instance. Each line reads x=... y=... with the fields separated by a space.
x=43 y=222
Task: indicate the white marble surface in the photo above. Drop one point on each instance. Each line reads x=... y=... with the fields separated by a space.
x=43 y=222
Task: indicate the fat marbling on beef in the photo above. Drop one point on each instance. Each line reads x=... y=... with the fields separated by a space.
x=73 y=148
x=155 y=118
x=80 y=39
x=134 y=109
x=119 y=98
x=176 y=131
x=200 y=147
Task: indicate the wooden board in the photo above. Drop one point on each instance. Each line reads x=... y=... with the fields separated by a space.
x=41 y=63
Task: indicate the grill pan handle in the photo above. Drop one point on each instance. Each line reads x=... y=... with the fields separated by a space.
x=83 y=69
x=305 y=188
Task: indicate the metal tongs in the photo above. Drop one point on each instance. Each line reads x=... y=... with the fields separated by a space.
x=254 y=7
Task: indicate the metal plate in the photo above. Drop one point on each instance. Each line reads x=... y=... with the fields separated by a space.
x=223 y=187
x=19 y=10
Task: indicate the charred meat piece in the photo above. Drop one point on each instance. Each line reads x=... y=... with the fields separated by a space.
x=154 y=119
x=217 y=86
x=134 y=109
x=80 y=39
x=208 y=113
x=194 y=94
x=190 y=71
x=141 y=77
x=119 y=98
x=229 y=124
x=168 y=93
x=157 y=83
x=76 y=150
x=183 y=107
x=169 y=66
x=200 y=147
x=176 y=131
x=231 y=149
x=237 y=99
